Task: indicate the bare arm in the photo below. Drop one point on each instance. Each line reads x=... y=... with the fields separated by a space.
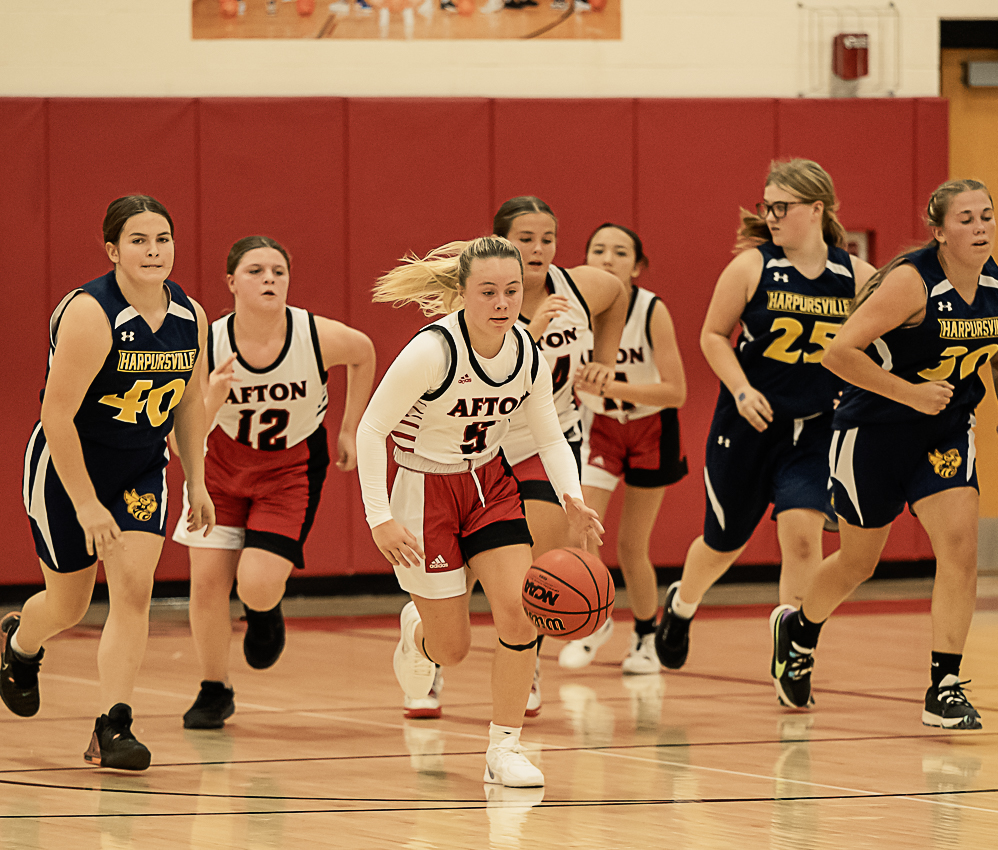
x=862 y=271
x=671 y=391
x=344 y=346
x=607 y=299
x=559 y=462
x=83 y=344
x=735 y=288
x=190 y=430
x=898 y=301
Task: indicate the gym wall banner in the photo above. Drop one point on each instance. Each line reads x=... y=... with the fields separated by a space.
x=407 y=19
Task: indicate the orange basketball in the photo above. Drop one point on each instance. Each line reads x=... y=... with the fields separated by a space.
x=466 y=7
x=568 y=593
x=597 y=5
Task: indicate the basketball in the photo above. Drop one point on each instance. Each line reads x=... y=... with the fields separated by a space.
x=597 y=5
x=568 y=593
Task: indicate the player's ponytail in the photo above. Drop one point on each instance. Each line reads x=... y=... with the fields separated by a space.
x=435 y=283
x=935 y=215
x=809 y=182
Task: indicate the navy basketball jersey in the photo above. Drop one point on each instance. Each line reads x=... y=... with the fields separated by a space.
x=950 y=344
x=786 y=327
x=130 y=402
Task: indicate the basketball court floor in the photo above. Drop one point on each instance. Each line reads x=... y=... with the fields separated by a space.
x=318 y=753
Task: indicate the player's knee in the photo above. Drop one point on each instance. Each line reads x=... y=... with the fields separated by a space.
x=258 y=594
x=514 y=626
x=631 y=553
x=801 y=549
x=72 y=610
x=210 y=583
x=451 y=650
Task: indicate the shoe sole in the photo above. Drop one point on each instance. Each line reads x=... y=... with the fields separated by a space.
x=96 y=762
x=930 y=719
x=423 y=713
x=649 y=672
x=212 y=725
x=781 y=695
x=532 y=712
x=491 y=779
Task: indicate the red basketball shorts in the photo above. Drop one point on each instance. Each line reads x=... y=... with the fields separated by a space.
x=454 y=520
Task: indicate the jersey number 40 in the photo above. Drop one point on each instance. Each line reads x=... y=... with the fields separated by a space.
x=143 y=398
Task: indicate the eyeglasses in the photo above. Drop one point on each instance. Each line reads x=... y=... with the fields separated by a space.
x=777 y=208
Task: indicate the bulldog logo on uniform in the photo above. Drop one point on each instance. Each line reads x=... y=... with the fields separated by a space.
x=945 y=464
x=141 y=507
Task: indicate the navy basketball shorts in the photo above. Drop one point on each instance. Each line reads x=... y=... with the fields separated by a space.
x=130 y=483
x=263 y=500
x=647 y=452
x=533 y=480
x=454 y=518
x=877 y=468
x=745 y=471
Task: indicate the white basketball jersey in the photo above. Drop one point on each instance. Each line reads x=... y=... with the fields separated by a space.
x=565 y=345
x=635 y=358
x=467 y=416
x=277 y=407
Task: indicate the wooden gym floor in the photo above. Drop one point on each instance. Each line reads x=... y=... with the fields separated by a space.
x=347 y=21
x=319 y=755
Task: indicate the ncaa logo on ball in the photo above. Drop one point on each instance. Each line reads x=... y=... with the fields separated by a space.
x=544 y=595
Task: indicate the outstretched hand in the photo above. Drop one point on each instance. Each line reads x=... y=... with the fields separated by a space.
x=583 y=522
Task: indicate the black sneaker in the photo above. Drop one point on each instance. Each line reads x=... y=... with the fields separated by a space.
x=114 y=745
x=946 y=705
x=263 y=642
x=672 y=637
x=447 y=6
x=792 y=663
x=18 y=677
x=213 y=706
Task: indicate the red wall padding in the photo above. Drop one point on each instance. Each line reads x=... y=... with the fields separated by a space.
x=350 y=185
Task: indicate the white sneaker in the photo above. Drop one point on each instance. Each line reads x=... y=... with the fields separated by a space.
x=413 y=670
x=428 y=706
x=641 y=660
x=505 y=764
x=580 y=653
x=534 y=700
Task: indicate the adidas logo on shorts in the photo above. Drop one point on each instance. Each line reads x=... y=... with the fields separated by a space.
x=464 y=379
x=439 y=563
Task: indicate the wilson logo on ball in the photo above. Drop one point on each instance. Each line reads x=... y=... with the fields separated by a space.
x=567 y=593
x=547 y=625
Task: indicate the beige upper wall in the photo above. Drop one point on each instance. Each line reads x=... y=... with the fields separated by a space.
x=670 y=48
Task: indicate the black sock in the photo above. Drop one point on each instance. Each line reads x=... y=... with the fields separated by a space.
x=644 y=627
x=944 y=664
x=540 y=640
x=803 y=632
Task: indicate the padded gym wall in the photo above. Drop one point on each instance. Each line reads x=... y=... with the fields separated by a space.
x=350 y=185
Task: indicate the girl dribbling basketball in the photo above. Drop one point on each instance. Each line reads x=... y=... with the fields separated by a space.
x=455 y=513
